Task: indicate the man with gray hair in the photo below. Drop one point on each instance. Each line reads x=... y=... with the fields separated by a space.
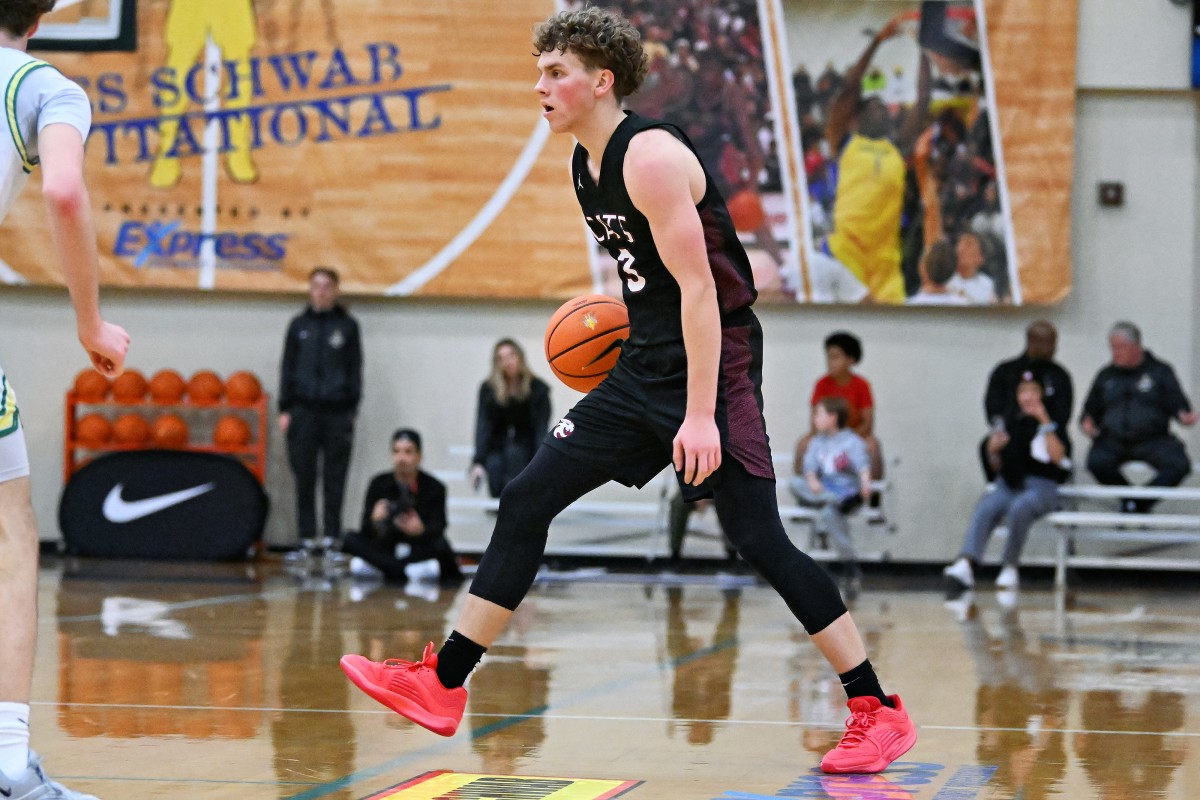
x=1128 y=415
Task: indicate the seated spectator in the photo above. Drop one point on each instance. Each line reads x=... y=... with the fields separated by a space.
x=999 y=401
x=512 y=417
x=937 y=267
x=1128 y=415
x=970 y=279
x=835 y=476
x=1030 y=456
x=842 y=352
x=403 y=531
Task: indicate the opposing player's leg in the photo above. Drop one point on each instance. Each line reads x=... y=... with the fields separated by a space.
x=878 y=730
x=430 y=691
x=20 y=768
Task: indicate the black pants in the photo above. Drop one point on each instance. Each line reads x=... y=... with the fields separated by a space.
x=746 y=507
x=319 y=439
x=381 y=554
x=505 y=464
x=1165 y=454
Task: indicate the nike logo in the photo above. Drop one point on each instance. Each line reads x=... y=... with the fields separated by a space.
x=118 y=509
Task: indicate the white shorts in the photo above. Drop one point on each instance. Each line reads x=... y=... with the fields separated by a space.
x=832 y=281
x=14 y=458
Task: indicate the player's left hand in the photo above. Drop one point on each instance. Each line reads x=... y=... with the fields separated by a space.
x=697 y=448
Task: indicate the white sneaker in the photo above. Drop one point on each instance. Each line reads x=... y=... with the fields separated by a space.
x=1008 y=578
x=427 y=570
x=960 y=572
x=361 y=569
x=1006 y=599
x=32 y=784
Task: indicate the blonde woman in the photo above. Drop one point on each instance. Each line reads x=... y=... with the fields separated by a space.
x=512 y=418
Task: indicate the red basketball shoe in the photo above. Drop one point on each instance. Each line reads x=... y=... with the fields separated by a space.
x=875 y=737
x=410 y=688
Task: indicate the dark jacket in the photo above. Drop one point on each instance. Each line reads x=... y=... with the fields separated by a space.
x=1001 y=397
x=429 y=501
x=322 y=362
x=1016 y=458
x=525 y=421
x=1135 y=405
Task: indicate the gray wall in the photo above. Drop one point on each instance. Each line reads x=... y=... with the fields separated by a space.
x=1137 y=123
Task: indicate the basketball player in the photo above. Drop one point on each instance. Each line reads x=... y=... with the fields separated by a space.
x=190 y=24
x=48 y=117
x=685 y=390
x=865 y=240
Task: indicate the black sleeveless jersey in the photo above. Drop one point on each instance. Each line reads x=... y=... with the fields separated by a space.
x=647 y=287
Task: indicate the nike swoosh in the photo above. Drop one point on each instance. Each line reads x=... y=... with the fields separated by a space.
x=117 y=509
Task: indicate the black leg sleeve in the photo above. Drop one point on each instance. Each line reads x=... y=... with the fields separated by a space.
x=749 y=514
x=550 y=483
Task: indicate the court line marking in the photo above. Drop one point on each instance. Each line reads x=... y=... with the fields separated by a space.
x=537 y=713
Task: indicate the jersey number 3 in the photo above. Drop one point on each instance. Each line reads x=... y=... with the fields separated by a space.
x=633 y=281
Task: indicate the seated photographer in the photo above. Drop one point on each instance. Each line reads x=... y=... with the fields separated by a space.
x=403 y=532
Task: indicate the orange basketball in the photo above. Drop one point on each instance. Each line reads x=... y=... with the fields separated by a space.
x=584 y=338
x=91 y=386
x=129 y=387
x=746 y=211
x=170 y=431
x=231 y=431
x=243 y=388
x=93 y=430
x=167 y=386
x=205 y=387
x=131 y=429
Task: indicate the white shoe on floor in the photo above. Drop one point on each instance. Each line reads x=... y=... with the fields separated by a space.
x=1008 y=578
x=960 y=572
x=361 y=569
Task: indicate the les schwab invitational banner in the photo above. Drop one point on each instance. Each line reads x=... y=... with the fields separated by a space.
x=236 y=145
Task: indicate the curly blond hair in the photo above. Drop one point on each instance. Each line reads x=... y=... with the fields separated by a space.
x=602 y=39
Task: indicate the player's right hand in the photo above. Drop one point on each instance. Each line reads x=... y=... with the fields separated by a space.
x=106 y=346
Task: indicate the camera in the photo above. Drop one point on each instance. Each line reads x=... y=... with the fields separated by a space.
x=404 y=503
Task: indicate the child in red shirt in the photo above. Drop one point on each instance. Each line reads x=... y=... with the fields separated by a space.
x=842 y=351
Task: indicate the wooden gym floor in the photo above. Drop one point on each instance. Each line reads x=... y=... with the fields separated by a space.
x=221 y=681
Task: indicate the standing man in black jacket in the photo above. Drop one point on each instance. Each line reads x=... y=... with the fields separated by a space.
x=1128 y=415
x=320 y=387
x=1041 y=343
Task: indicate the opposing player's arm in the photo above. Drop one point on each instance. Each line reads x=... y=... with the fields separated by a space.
x=665 y=181
x=60 y=147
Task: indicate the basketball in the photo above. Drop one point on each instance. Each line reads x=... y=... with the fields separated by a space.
x=205 y=387
x=584 y=338
x=129 y=387
x=231 y=431
x=167 y=386
x=746 y=211
x=93 y=430
x=131 y=429
x=243 y=388
x=91 y=387
x=170 y=431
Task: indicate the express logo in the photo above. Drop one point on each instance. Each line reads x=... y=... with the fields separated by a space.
x=563 y=428
x=168 y=244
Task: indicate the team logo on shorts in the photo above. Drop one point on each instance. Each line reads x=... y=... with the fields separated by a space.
x=563 y=428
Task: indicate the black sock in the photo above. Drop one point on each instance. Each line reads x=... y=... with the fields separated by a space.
x=862 y=682
x=458 y=656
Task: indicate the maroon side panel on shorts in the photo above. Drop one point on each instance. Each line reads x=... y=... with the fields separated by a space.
x=741 y=378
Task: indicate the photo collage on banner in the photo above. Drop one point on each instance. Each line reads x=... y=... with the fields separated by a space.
x=857 y=143
x=905 y=199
